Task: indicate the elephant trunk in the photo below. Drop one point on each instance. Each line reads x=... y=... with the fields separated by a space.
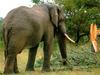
x=67 y=37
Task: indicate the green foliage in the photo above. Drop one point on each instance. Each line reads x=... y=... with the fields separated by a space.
x=68 y=5
x=87 y=3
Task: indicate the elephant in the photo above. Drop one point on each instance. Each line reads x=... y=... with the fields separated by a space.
x=26 y=27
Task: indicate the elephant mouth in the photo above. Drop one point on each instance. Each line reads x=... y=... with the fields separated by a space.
x=67 y=37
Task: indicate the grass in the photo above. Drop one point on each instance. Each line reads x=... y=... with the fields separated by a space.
x=83 y=61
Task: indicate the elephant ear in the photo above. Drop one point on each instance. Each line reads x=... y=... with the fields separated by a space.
x=54 y=15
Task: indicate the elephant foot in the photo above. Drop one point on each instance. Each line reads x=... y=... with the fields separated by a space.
x=8 y=72
x=46 y=69
x=30 y=69
x=16 y=71
x=64 y=63
x=69 y=66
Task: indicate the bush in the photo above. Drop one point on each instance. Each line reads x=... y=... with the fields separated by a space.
x=77 y=56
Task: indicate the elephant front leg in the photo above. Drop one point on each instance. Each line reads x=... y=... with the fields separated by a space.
x=31 y=59
x=62 y=46
x=47 y=55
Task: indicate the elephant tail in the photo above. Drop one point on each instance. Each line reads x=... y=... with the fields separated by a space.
x=6 y=40
x=6 y=36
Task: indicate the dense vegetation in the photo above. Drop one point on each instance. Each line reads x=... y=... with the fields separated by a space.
x=80 y=14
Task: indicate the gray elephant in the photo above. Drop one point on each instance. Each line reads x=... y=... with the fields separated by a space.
x=27 y=27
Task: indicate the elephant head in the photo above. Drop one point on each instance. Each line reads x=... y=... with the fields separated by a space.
x=58 y=20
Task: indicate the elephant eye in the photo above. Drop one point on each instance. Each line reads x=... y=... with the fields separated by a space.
x=61 y=18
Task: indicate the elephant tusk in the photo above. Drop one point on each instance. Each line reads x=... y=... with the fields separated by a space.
x=69 y=38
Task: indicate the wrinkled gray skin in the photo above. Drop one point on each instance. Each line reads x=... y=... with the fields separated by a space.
x=27 y=27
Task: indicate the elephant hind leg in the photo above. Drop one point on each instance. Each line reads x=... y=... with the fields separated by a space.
x=11 y=56
x=31 y=58
x=9 y=64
